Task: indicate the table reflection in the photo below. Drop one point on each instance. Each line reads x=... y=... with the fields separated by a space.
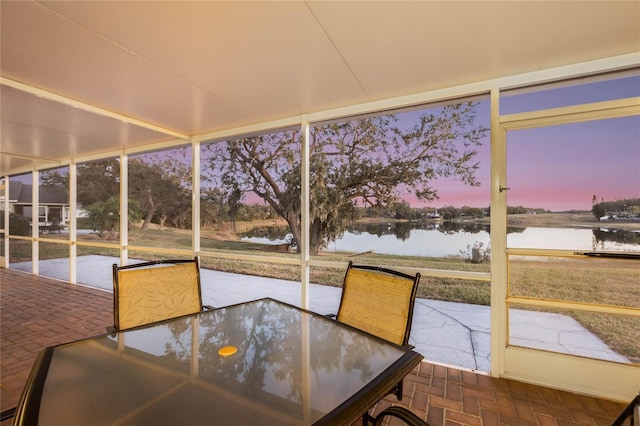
x=290 y=367
x=269 y=357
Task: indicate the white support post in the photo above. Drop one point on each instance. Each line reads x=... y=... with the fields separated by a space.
x=73 y=223
x=305 y=210
x=6 y=223
x=499 y=313
x=124 y=209
x=35 y=222
x=195 y=197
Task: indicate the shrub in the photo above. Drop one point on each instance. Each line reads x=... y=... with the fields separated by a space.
x=477 y=253
x=19 y=225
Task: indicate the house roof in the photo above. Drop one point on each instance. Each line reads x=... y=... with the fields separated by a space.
x=21 y=193
x=85 y=79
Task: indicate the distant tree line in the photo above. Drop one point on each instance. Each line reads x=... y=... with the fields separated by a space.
x=159 y=192
x=403 y=210
x=625 y=208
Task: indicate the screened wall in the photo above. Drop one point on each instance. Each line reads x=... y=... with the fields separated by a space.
x=474 y=170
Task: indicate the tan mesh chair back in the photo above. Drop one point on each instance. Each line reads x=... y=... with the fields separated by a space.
x=379 y=301
x=154 y=291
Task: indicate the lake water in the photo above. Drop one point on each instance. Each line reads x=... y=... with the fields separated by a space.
x=443 y=240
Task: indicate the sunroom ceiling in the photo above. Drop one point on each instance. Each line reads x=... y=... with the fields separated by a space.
x=80 y=79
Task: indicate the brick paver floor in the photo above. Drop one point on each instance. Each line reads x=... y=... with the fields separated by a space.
x=37 y=312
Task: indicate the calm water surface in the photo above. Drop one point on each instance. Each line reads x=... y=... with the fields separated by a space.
x=438 y=241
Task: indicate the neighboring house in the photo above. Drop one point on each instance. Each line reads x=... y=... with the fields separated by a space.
x=54 y=206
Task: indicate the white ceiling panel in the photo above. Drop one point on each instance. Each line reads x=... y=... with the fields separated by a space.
x=270 y=59
x=33 y=127
x=46 y=50
x=595 y=30
x=432 y=45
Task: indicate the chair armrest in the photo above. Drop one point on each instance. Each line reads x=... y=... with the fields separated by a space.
x=401 y=413
x=630 y=415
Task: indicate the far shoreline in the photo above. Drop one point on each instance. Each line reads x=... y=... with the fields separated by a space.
x=571 y=219
x=568 y=220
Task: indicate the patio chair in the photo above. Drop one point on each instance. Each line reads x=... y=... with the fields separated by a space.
x=148 y=292
x=55 y=225
x=379 y=301
x=401 y=413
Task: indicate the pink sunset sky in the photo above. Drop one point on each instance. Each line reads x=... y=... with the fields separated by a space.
x=559 y=168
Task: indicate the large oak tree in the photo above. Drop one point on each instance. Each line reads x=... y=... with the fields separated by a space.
x=370 y=161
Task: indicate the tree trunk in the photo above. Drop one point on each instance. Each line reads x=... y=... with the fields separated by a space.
x=147 y=220
x=315 y=235
x=294 y=226
x=150 y=211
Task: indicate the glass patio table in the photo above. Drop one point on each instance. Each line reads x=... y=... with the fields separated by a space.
x=262 y=362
